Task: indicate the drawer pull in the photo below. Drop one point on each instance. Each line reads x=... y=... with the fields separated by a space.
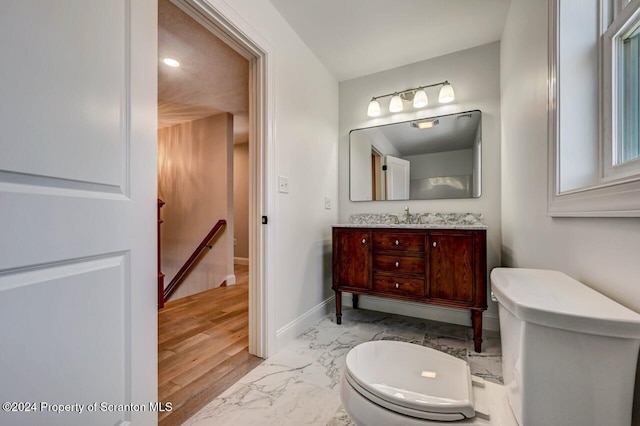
x=397 y=243
x=435 y=244
x=397 y=264
x=397 y=285
x=364 y=241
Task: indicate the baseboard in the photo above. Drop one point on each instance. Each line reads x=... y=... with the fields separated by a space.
x=230 y=280
x=241 y=261
x=420 y=310
x=298 y=326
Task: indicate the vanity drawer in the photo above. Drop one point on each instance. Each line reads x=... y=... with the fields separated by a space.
x=402 y=242
x=391 y=263
x=398 y=285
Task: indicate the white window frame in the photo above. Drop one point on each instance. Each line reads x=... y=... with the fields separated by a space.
x=617 y=190
x=612 y=70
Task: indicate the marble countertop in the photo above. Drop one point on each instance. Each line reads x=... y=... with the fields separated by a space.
x=415 y=221
x=411 y=225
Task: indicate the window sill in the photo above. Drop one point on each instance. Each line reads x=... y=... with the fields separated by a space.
x=615 y=199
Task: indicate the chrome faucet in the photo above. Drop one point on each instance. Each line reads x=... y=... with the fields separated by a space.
x=408 y=219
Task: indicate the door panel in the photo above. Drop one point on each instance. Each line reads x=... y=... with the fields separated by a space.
x=75 y=67
x=77 y=195
x=70 y=343
x=451 y=267
x=354 y=258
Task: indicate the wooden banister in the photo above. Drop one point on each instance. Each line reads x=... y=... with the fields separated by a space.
x=182 y=273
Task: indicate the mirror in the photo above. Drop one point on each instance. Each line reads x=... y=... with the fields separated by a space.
x=423 y=159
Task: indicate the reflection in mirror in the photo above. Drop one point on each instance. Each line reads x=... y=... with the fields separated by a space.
x=425 y=159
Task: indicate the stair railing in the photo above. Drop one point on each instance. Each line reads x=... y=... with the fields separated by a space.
x=182 y=273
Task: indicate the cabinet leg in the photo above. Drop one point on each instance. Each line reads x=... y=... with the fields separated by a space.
x=338 y=307
x=476 y=320
x=355 y=301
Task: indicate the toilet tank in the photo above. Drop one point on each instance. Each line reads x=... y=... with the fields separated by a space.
x=569 y=353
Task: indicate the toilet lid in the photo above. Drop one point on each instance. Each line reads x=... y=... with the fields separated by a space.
x=407 y=375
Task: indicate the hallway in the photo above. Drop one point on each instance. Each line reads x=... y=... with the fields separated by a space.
x=203 y=347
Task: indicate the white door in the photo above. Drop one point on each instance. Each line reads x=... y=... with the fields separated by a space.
x=77 y=212
x=397 y=177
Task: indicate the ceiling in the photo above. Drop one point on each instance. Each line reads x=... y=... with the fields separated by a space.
x=451 y=133
x=353 y=38
x=212 y=77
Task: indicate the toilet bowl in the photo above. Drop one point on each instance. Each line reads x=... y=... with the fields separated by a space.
x=559 y=340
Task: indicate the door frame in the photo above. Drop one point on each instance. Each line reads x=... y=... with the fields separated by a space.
x=225 y=23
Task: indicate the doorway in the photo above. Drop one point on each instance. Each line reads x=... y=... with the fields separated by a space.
x=244 y=39
x=256 y=124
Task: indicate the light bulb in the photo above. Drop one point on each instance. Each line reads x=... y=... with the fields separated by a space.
x=396 y=103
x=420 y=99
x=374 y=108
x=171 y=62
x=446 y=94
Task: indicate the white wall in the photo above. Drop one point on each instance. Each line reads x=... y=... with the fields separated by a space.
x=448 y=163
x=457 y=166
x=475 y=76
x=600 y=252
x=194 y=165
x=305 y=128
x=241 y=200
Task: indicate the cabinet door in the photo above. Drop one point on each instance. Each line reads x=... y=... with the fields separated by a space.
x=352 y=258
x=451 y=267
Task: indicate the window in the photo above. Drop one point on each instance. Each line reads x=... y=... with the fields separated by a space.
x=594 y=108
x=628 y=148
x=621 y=88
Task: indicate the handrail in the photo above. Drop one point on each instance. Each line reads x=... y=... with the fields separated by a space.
x=182 y=273
x=160 y=274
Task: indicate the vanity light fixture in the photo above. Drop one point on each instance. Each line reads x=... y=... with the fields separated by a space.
x=420 y=99
x=395 y=105
x=374 y=108
x=446 y=93
x=417 y=95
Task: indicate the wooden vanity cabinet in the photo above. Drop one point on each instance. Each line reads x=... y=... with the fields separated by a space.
x=352 y=259
x=446 y=267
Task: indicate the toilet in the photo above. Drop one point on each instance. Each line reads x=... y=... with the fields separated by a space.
x=569 y=357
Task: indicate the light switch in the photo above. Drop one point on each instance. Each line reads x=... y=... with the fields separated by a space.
x=283 y=184
x=327 y=203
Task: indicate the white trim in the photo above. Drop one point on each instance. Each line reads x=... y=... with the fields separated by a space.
x=299 y=325
x=218 y=17
x=241 y=261
x=230 y=279
x=617 y=197
x=490 y=320
x=611 y=134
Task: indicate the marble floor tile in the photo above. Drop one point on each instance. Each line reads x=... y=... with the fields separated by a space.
x=292 y=404
x=300 y=384
x=491 y=346
x=442 y=329
x=341 y=418
x=487 y=367
x=449 y=345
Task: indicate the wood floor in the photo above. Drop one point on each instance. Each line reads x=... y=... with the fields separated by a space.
x=202 y=347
